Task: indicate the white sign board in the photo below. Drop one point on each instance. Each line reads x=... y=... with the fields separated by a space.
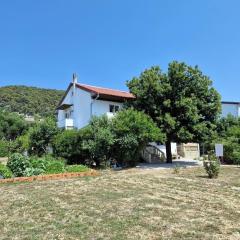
x=219 y=150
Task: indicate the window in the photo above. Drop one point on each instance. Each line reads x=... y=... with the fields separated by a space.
x=113 y=108
x=67 y=115
x=116 y=108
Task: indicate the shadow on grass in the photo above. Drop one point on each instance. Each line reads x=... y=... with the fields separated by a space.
x=202 y=176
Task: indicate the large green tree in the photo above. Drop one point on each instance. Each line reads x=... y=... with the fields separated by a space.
x=182 y=102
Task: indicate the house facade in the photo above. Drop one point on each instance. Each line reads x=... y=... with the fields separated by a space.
x=81 y=102
x=231 y=108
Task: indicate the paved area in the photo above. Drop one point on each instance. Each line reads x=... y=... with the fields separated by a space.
x=185 y=163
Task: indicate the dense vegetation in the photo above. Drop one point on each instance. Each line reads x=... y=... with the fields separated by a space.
x=120 y=139
x=228 y=133
x=11 y=125
x=29 y=100
x=19 y=165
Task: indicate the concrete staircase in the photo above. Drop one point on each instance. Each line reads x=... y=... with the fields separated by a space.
x=152 y=154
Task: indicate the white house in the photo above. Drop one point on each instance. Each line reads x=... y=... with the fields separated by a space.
x=231 y=108
x=80 y=102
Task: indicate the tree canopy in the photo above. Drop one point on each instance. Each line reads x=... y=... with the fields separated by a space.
x=41 y=135
x=182 y=102
x=133 y=131
x=11 y=125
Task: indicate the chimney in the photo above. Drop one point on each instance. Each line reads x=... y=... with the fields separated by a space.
x=74 y=80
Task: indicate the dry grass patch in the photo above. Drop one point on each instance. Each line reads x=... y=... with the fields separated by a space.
x=138 y=204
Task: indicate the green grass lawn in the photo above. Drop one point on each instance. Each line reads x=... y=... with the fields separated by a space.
x=133 y=204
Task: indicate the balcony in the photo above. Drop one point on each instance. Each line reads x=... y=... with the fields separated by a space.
x=110 y=114
x=66 y=123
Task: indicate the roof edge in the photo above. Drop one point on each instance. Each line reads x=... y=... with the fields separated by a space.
x=230 y=102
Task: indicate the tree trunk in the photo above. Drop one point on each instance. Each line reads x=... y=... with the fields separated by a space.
x=169 y=151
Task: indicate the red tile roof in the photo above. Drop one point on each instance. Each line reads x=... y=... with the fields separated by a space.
x=102 y=93
x=106 y=91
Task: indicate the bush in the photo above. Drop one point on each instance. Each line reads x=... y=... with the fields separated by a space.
x=18 y=164
x=21 y=144
x=12 y=125
x=76 y=168
x=212 y=166
x=54 y=165
x=46 y=164
x=133 y=130
x=5 y=172
x=4 y=148
x=41 y=136
x=236 y=157
x=229 y=134
x=176 y=169
x=67 y=145
x=24 y=166
x=98 y=139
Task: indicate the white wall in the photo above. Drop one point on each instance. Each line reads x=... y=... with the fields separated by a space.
x=232 y=109
x=81 y=101
x=82 y=108
x=61 y=113
x=101 y=107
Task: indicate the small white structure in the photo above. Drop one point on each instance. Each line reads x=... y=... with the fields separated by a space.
x=219 y=150
x=231 y=108
x=189 y=150
x=80 y=102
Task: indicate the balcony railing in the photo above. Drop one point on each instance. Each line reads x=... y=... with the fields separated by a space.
x=110 y=114
x=66 y=123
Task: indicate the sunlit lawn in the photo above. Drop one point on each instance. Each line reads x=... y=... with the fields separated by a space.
x=133 y=204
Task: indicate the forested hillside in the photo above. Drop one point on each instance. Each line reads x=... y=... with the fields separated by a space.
x=29 y=100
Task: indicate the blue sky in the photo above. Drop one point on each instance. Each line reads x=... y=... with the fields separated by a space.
x=108 y=42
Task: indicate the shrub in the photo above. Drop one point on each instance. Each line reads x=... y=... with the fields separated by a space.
x=212 y=166
x=76 y=168
x=5 y=172
x=33 y=172
x=4 y=148
x=12 y=125
x=41 y=136
x=176 y=169
x=133 y=130
x=21 y=144
x=54 y=165
x=229 y=134
x=46 y=164
x=18 y=164
x=67 y=145
x=229 y=149
x=98 y=139
x=236 y=157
